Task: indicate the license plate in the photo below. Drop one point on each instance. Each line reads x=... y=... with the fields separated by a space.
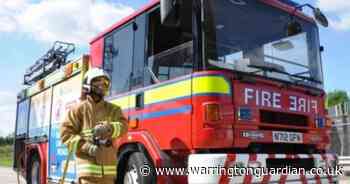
x=287 y=137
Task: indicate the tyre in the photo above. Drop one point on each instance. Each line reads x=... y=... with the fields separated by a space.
x=139 y=170
x=33 y=176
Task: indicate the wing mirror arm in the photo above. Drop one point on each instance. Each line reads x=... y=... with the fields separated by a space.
x=318 y=15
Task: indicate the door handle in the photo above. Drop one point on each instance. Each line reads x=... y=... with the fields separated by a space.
x=139 y=101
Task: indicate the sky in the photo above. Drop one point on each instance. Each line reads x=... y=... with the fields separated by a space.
x=29 y=27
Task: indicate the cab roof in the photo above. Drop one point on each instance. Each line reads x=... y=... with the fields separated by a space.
x=286 y=5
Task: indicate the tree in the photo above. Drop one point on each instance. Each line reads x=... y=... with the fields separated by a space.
x=336 y=97
x=8 y=140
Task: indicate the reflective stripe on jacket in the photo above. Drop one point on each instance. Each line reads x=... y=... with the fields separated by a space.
x=76 y=129
x=96 y=170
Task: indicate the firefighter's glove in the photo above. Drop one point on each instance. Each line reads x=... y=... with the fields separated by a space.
x=103 y=131
x=90 y=149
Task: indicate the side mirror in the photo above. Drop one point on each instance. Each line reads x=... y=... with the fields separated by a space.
x=170 y=12
x=320 y=17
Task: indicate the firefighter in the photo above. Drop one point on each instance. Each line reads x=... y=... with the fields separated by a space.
x=89 y=128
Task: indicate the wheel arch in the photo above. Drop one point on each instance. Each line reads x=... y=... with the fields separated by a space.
x=141 y=141
x=33 y=153
x=37 y=150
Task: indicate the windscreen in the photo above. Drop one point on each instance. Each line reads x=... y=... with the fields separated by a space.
x=253 y=37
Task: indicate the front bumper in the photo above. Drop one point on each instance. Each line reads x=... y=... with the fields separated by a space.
x=219 y=168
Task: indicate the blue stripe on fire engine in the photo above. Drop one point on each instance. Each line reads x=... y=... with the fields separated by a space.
x=168 y=112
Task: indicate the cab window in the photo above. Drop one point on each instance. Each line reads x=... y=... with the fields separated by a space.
x=170 y=49
x=22 y=117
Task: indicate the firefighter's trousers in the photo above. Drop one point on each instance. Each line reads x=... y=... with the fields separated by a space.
x=95 y=180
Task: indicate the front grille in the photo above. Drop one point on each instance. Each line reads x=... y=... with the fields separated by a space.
x=270 y=128
x=305 y=163
x=283 y=148
x=281 y=118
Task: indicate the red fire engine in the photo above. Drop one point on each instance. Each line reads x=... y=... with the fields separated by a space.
x=214 y=84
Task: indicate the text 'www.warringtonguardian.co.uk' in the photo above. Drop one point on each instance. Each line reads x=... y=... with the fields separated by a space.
x=241 y=171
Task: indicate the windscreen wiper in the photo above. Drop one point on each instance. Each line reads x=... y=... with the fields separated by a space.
x=273 y=68
x=268 y=67
x=153 y=75
x=303 y=78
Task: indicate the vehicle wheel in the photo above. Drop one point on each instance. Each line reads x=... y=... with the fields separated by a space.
x=34 y=171
x=139 y=170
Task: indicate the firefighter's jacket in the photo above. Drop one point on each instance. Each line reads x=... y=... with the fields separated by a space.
x=76 y=130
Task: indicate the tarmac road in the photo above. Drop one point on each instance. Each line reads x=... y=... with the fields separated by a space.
x=8 y=176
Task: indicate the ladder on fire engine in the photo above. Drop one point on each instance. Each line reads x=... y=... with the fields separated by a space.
x=51 y=61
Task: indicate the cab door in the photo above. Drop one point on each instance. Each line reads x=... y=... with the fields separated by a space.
x=21 y=133
x=117 y=62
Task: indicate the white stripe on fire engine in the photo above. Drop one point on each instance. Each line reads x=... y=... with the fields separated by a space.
x=219 y=159
x=303 y=156
x=267 y=178
x=229 y=162
x=260 y=158
x=203 y=160
x=244 y=159
x=277 y=156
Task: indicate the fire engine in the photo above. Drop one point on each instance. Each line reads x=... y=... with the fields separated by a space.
x=209 y=84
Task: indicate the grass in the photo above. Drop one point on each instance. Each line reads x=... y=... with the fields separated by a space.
x=6 y=158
